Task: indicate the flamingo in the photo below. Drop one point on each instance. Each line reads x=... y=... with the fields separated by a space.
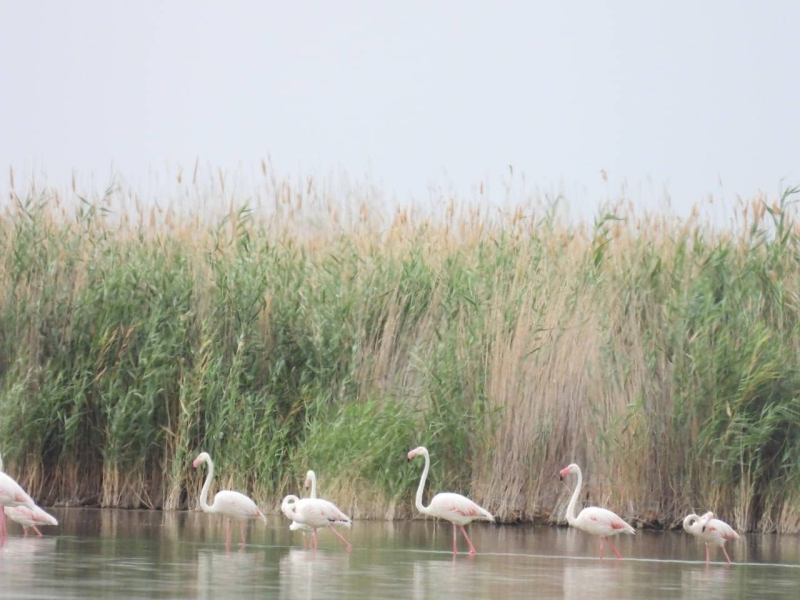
x=11 y=494
x=457 y=509
x=315 y=513
x=232 y=505
x=311 y=480
x=711 y=531
x=594 y=520
x=28 y=517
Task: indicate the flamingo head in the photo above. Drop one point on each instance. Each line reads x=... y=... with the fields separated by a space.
x=691 y=522
x=201 y=458
x=417 y=451
x=287 y=505
x=309 y=476
x=567 y=470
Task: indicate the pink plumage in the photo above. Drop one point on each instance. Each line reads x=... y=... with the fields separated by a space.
x=594 y=520
x=230 y=504
x=457 y=509
x=30 y=517
x=315 y=513
x=11 y=494
x=711 y=531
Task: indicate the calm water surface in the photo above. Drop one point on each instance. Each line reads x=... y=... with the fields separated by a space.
x=150 y=554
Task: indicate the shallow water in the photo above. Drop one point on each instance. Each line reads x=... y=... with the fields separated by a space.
x=151 y=554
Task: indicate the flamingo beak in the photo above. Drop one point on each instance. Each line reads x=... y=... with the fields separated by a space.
x=411 y=455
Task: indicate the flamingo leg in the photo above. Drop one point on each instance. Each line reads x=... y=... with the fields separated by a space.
x=726 y=554
x=614 y=548
x=455 y=544
x=36 y=529
x=601 y=548
x=304 y=539
x=241 y=531
x=228 y=535
x=708 y=558
x=2 y=523
x=315 y=541
x=24 y=532
x=472 y=551
x=341 y=537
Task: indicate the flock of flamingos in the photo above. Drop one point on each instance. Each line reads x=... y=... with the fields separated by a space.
x=311 y=514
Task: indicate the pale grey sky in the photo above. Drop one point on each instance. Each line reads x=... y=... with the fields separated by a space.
x=661 y=94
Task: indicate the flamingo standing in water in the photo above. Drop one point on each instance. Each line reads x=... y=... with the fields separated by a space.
x=711 y=531
x=11 y=494
x=457 y=509
x=311 y=480
x=315 y=513
x=30 y=517
x=232 y=505
x=594 y=520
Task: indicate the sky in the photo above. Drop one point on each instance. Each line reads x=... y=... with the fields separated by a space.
x=684 y=99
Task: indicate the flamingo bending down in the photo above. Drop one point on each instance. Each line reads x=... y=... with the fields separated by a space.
x=457 y=509
x=232 y=505
x=28 y=517
x=711 y=531
x=315 y=513
x=594 y=520
x=311 y=480
x=11 y=494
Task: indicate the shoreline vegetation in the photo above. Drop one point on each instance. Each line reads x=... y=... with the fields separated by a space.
x=296 y=331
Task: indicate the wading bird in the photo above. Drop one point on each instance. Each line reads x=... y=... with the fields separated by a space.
x=594 y=520
x=457 y=509
x=311 y=480
x=30 y=517
x=11 y=494
x=315 y=513
x=232 y=505
x=711 y=531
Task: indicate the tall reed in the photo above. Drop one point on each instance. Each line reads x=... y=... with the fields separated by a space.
x=301 y=332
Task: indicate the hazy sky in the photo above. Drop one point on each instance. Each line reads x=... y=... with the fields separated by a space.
x=661 y=94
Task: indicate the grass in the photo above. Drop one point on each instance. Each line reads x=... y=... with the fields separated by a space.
x=299 y=332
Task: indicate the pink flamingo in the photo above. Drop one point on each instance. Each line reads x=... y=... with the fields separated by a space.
x=594 y=520
x=232 y=505
x=11 y=494
x=311 y=480
x=457 y=509
x=28 y=517
x=315 y=513
x=711 y=531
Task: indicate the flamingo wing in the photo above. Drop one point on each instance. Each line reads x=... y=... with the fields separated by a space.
x=11 y=494
x=457 y=509
x=316 y=512
x=600 y=521
x=720 y=531
x=235 y=505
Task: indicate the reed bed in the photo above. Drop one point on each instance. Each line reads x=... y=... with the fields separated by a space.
x=299 y=331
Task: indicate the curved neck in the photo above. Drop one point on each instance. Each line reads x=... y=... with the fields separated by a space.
x=421 y=487
x=313 y=477
x=574 y=499
x=288 y=508
x=204 y=492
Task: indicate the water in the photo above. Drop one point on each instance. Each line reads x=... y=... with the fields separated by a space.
x=150 y=554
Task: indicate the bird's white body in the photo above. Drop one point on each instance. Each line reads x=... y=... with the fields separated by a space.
x=457 y=509
x=711 y=531
x=11 y=494
x=314 y=513
x=30 y=517
x=233 y=505
x=311 y=480
x=594 y=520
